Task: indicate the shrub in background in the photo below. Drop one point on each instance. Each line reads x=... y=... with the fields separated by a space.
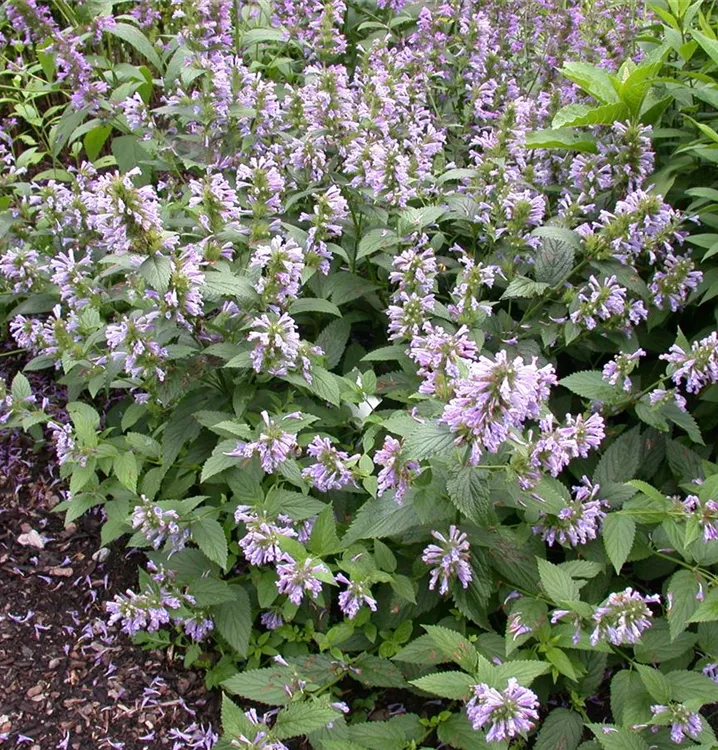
x=369 y=324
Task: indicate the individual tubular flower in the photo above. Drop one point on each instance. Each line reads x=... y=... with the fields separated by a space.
x=198 y=627
x=396 y=474
x=606 y=301
x=508 y=713
x=675 y=282
x=707 y=514
x=623 y=617
x=578 y=522
x=331 y=470
x=356 y=595
x=297 y=578
x=261 y=542
x=449 y=559
x=282 y=263
x=148 y=611
x=711 y=670
x=698 y=366
x=439 y=355
x=496 y=395
x=158 y=526
x=557 y=445
x=683 y=721
x=620 y=367
x=273 y=446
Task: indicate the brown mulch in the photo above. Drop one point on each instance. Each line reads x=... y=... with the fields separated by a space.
x=66 y=681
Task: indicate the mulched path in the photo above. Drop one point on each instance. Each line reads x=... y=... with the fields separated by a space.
x=66 y=681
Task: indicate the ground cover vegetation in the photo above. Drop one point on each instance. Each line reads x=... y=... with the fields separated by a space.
x=386 y=331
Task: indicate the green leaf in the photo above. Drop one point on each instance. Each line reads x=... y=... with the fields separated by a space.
x=20 y=388
x=324 y=539
x=403 y=587
x=621 y=460
x=553 y=261
x=565 y=139
x=421 y=650
x=452 y=685
x=259 y=36
x=157 y=271
x=709 y=46
x=60 y=133
x=234 y=720
x=234 y=622
x=656 y=683
x=333 y=341
x=578 y=115
x=593 y=80
x=617 y=738
x=561 y=730
x=682 y=590
x=630 y=701
x=557 y=583
x=218 y=461
x=302 y=718
x=297 y=506
x=692 y=686
x=208 y=535
x=428 y=439
x=314 y=304
x=125 y=468
x=707 y=610
x=324 y=384
x=95 y=139
x=619 y=531
x=522 y=286
x=135 y=38
x=590 y=384
x=377 y=672
x=468 y=489
x=524 y=670
x=457 y=732
x=219 y=284
x=375 y=240
x=262 y=685
x=129 y=152
x=454 y=646
x=377 y=519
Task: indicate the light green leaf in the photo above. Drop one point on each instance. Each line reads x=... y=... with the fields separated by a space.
x=429 y=439
x=234 y=622
x=314 y=304
x=452 y=685
x=135 y=38
x=157 y=271
x=557 y=583
x=125 y=467
x=619 y=532
x=561 y=730
x=262 y=685
x=208 y=535
x=302 y=718
x=590 y=384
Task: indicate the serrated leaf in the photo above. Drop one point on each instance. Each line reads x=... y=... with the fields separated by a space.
x=262 y=685
x=590 y=384
x=656 y=683
x=561 y=730
x=682 y=591
x=619 y=531
x=428 y=439
x=333 y=340
x=621 y=460
x=234 y=622
x=569 y=140
x=579 y=115
x=208 y=535
x=692 y=686
x=617 y=738
x=378 y=519
x=457 y=732
x=125 y=468
x=234 y=720
x=522 y=286
x=313 y=304
x=553 y=261
x=378 y=672
x=218 y=461
x=375 y=240
x=557 y=583
x=468 y=488
x=302 y=718
x=454 y=646
x=452 y=685
x=707 y=610
x=157 y=271
x=524 y=670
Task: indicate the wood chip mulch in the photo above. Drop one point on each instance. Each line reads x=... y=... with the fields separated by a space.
x=66 y=680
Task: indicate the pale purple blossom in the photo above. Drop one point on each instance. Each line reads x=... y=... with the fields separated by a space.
x=356 y=595
x=623 y=617
x=698 y=366
x=578 y=522
x=298 y=578
x=158 y=526
x=620 y=367
x=510 y=712
x=261 y=543
x=396 y=474
x=449 y=559
x=683 y=721
x=273 y=445
x=332 y=468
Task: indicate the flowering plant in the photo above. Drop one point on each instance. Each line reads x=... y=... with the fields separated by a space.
x=369 y=321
